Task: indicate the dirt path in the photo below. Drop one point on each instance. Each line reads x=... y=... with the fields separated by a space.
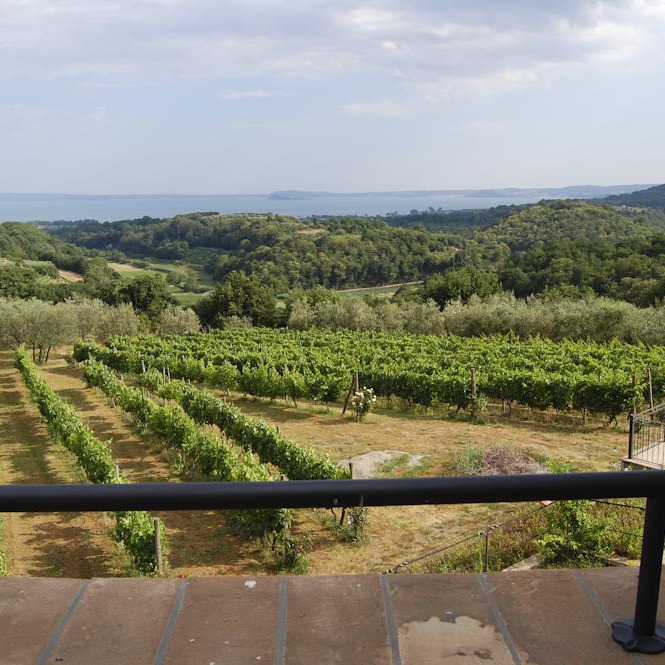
x=37 y=544
x=200 y=541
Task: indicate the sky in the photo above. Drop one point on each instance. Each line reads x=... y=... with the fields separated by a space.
x=222 y=97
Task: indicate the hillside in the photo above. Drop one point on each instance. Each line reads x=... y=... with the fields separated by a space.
x=20 y=241
x=562 y=220
x=281 y=251
x=654 y=197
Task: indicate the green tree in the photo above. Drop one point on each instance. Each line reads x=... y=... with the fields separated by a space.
x=461 y=284
x=242 y=296
x=148 y=294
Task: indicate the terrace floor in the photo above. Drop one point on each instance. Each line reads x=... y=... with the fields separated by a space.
x=558 y=617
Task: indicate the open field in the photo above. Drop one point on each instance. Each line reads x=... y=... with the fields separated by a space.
x=70 y=276
x=123 y=267
x=202 y=543
x=386 y=290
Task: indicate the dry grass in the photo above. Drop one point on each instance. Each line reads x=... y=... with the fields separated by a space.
x=398 y=533
x=124 y=267
x=70 y=276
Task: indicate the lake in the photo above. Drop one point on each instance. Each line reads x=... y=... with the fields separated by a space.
x=51 y=207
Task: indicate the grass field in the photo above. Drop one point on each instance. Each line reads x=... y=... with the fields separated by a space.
x=203 y=544
x=385 y=291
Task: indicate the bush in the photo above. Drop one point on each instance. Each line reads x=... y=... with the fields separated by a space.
x=576 y=535
x=363 y=402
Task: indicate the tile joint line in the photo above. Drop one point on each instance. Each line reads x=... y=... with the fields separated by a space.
x=45 y=655
x=498 y=617
x=602 y=610
x=390 y=620
x=280 y=634
x=169 y=629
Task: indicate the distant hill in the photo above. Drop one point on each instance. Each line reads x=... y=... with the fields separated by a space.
x=654 y=197
x=20 y=241
x=562 y=220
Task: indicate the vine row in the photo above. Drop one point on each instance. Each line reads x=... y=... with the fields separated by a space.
x=203 y=451
x=134 y=529
x=423 y=370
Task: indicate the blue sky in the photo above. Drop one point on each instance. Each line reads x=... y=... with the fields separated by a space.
x=203 y=96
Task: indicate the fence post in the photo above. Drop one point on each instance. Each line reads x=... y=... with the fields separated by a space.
x=643 y=633
x=158 y=546
x=487 y=551
x=631 y=434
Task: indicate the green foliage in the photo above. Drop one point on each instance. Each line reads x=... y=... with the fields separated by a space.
x=422 y=370
x=469 y=461
x=27 y=242
x=556 y=220
x=353 y=524
x=653 y=197
x=294 y=461
x=148 y=294
x=281 y=251
x=135 y=530
x=238 y=295
x=200 y=450
x=292 y=557
x=576 y=535
x=461 y=284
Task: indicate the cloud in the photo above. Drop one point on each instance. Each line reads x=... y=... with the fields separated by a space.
x=381 y=108
x=233 y=95
x=441 y=50
x=485 y=126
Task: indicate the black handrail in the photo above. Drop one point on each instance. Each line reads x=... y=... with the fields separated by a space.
x=642 y=634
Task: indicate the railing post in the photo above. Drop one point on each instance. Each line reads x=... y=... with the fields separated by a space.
x=644 y=634
x=631 y=434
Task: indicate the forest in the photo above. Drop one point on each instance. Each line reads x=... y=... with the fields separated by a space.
x=467 y=271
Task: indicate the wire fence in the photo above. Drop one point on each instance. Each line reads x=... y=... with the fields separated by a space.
x=515 y=539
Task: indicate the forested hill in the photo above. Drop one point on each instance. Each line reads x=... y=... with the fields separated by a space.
x=654 y=197
x=281 y=251
x=19 y=241
x=284 y=252
x=563 y=220
x=460 y=221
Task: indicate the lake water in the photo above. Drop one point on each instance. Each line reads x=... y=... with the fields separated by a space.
x=50 y=207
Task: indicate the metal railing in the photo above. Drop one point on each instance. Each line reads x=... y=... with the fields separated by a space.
x=642 y=633
x=646 y=436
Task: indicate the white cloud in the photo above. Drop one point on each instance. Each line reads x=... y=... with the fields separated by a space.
x=442 y=50
x=382 y=108
x=233 y=95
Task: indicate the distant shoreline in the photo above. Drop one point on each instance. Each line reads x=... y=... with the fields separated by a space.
x=111 y=207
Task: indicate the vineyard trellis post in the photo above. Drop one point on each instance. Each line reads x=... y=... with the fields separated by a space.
x=158 y=547
x=353 y=389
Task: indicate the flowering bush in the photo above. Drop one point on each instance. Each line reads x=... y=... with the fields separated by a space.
x=363 y=402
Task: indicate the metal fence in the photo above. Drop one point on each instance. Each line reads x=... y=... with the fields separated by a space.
x=642 y=633
x=646 y=437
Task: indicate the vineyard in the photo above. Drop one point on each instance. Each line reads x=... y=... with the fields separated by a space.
x=538 y=373
x=176 y=393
